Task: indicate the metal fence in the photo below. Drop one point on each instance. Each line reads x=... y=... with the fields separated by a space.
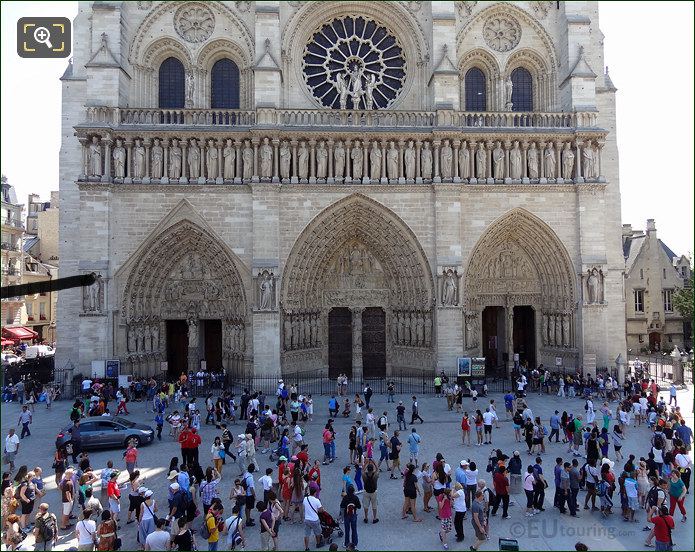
x=658 y=367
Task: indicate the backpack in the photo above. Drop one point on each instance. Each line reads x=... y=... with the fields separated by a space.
x=47 y=527
x=602 y=488
x=204 y=529
x=586 y=405
x=658 y=439
x=350 y=509
x=236 y=535
x=653 y=496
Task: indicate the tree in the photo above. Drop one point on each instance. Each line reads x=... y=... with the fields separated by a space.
x=684 y=301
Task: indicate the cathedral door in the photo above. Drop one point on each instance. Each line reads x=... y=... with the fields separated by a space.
x=213 y=344
x=525 y=335
x=374 y=342
x=177 y=348
x=339 y=342
x=494 y=341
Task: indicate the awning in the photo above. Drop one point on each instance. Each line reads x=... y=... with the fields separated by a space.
x=19 y=333
x=4 y=342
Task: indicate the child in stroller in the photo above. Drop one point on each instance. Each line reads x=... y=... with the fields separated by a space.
x=328 y=526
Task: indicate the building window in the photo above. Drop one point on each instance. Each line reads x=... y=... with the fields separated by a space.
x=30 y=311
x=42 y=311
x=522 y=91
x=670 y=338
x=639 y=300
x=668 y=300
x=664 y=273
x=172 y=84
x=225 y=85
x=641 y=338
x=475 y=90
x=641 y=274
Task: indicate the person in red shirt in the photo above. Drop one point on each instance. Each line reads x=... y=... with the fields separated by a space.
x=315 y=469
x=194 y=441
x=466 y=429
x=500 y=481
x=303 y=456
x=663 y=525
x=184 y=440
x=114 y=494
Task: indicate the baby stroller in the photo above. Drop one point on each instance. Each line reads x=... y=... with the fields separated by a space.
x=328 y=525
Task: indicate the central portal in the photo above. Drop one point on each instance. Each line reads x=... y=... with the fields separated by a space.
x=374 y=342
x=177 y=348
x=339 y=342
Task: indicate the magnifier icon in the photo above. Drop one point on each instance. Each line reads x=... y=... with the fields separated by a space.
x=43 y=36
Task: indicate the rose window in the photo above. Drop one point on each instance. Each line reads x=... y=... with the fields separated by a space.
x=354 y=63
x=194 y=22
x=502 y=33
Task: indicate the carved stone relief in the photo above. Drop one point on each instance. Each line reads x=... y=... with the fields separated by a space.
x=265 y=283
x=593 y=285
x=502 y=32
x=93 y=297
x=194 y=22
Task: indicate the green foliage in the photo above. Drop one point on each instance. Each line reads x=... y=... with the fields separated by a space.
x=684 y=301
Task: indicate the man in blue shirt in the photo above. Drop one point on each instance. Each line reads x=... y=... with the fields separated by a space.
x=685 y=434
x=508 y=404
x=183 y=479
x=248 y=484
x=554 y=427
x=539 y=485
x=557 y=472
x=414 y=443
x=460 y=474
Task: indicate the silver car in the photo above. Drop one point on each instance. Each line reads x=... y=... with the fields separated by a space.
x=104 y=432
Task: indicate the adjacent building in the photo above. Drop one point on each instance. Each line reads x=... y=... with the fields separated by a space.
x=653 y=273
x=41 y=241
x=40 y=307
x=12 y=254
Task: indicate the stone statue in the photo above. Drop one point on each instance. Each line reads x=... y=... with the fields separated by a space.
x=285 y=160
x=343 y=90
x=266 y=157
x=175 y=160
x=447 y=158
x=247 y=160
x=549 y=161
x=266 y=296
x=408 y=334
x=544 y=329
x=401 y=328
x=515 y=162
x=94 y=159
x=288 y=332
x=92 y=300
x=428 y=329
x=229 y=155
x=375 y=161
x=190 y=87
x=567 y=162
x=508 y=89
x=558 y=331
x=409 y=160
x=314 y=330
x=391 y=161
x=295 y=332
x=426 y=161
x=119 y=159
x=498 y=161
x=566 y=330
x=394 y=327
x=157 y=159
x=369 y=89
x=588 y=161
x=155 y=337
x=420 y=330
x=194 y=159
x=138 y=159
x=551 y=330
x=464 y=161
x=356 y=85
x=147 y=340
x=449 y=292
x=140 y=339
x=593 y=284
x=303 y=160
x=211 y=160
x=357 y=156
x=132 y=340
x=321 y=160
x=481 y=161
x=532 y=161
x=339 y=159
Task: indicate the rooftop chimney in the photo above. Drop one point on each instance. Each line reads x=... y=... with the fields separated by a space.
x=651 y=225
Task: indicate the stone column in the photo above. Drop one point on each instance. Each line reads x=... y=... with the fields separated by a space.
x=489 y=145
x=312 y=161
x=106 y=177
x=401 y=170
x=357 y=372
x=295 y=177
x=471 y=169
x=524 y=163
x=507 y=168
x=366 y=177
x=541 y=164
x=276 y=160
x=418 y=175
x=457 y=146
x=384 y=178
x=220 y=162
x=165 y=168
x=600 y=144
x=558 y=161
x=146 y=178
x=330 y=178
x=129 y=156
x=254 y=176
x=237 y=162
x=348 y=162
x=184 y=163
x=202 y=144
x=83 y=171
x=578 y=162
x=436 y=177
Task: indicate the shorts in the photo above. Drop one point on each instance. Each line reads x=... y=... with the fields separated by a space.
x=367 y=500
x=27 y=507
x=114 y=506
x=411 y=496
x=132 y=503
x=515 y=426
x=479 y=534
x=633 y=503
x=67 y=508
x=250 y=504
x=488 y=429
x=446 y=525
x=9 y=457
x=479 y=429
x=312 y=527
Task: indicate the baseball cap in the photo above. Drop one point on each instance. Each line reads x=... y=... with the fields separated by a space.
x=175 y=486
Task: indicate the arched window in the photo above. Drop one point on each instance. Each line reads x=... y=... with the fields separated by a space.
x=172 y=84
x=522 y=91
x=225 y=85
x=475 y=90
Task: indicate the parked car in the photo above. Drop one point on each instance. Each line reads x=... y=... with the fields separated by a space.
x=10 y=358
x=103 y=432
x=35 y=351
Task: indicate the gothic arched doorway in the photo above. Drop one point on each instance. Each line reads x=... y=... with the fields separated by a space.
x=520 y=292
x=183 y=302
x=358 y=255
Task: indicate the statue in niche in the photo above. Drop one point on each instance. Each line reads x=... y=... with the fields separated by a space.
x=551 y=330
x=550 y=161
x=247 y=160
x=409 y=160
x=155 y=336
x=194 y=159
x=356 y=85
x=288 y=332
x=339 y=159
x=558 y=330
x=92 y=298
x=132 y=340
x=307 y=330
x=566 y=330
x=242 y=338
x=498 y=161
x=450 y=287
x=356 y=261
x=314 y=330
x=321 y=160
x=138 y=159
x=447 y=157
x=157 y=159
x=420 y=330
x=175 y=157
x=369 y=88
x=343 y=90
x=266 y=292
x=515 y=162
x=544 y=329
x=426 y=161
x=532 y=161
x=303 y=161
x=266 y=156
x=481 y=161
x=392 y=161
x=295 y=332
x=229 y=156
x=190 y=87
x=508 y=90
x=147 y=345
x=567 y=162
x=593 y=285
x=588 y=161
x=464 y=161
x=211 y=160
x=409 y=327
x=375 y=161
x=428 y=330
x=94 y=158
x=119 y=160
x=140 y=338
x=357 y=156
x=285 y=160
x=401 y=328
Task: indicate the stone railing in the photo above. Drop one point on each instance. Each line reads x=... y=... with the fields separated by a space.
x=117 y=117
